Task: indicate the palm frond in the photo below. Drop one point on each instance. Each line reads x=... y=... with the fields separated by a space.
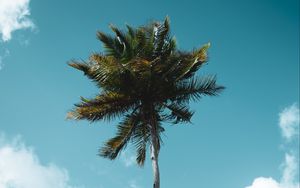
x=146 y=37
x=182 y=65
x=100 y=69
x=107 y=98
x=127 y=52
x=84 y=67
x=193 y=65
x=113 y=146
x=92 y=111
x=176 y=64
x=108 y=63
x=131 y=31
x=169 y=48
x=201 y=57
x=161 y=36
x=111 y=45
x=141 y=39
x=140 y=139
x=92 y=71
x=195 y=88
x=106 y=71
x=179 y=113
x=141 y=151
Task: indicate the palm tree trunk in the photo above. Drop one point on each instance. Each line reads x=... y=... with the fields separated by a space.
x=155 y=146
x=154 y=158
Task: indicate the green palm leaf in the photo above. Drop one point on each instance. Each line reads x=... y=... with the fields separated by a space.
x=195 y=88
x=113 y=146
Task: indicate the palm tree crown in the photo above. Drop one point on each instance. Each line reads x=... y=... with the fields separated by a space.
x=144 y=80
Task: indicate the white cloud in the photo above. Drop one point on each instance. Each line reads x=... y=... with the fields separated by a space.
x=133 y=184
x=289 y=122
x=262 y=182
x=14 y=16
x=20 y=168
x=127 y=158
x=288 y=180
x=289 y=125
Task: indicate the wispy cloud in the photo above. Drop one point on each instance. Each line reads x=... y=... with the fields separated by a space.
x=289 y=122
x=289 y=126
x=128 y=158
x=14 y=15
x=133 y=184
x=5 y=53
x=291 y=168
x=20 y=168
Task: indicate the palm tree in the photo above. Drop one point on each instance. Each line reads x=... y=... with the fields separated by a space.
x=144 y=80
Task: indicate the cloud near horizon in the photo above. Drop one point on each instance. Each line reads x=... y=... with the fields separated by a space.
x=14 y=16
x=289 y=126
x=20 y=168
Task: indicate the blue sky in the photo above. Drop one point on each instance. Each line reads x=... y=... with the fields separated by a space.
x=236 y=140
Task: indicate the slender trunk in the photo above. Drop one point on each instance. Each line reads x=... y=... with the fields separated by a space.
x=155 y=145
x=154 y=158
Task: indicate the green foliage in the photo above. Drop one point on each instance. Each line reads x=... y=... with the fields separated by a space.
x=144 y=78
